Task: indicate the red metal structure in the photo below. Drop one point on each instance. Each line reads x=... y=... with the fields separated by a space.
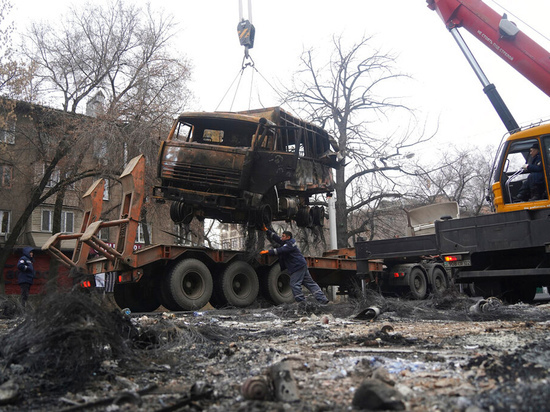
x=500 y=35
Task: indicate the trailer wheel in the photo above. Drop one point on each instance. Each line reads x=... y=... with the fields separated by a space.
x=439 y=281
x=239 y=284
x=418 y=284
x=276 y=284
x=189 y=284
x=136 y=297
x=165 y=297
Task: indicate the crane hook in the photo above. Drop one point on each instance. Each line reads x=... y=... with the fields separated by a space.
x=246 y=32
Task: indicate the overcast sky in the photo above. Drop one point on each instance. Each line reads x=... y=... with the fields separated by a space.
x=443 y=87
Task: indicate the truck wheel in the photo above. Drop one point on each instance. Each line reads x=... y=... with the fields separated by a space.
x=439 y=281
x=264 y=216
x=136 y=297
x=189 y=284
x=239 y=284
x=181 y=213
x=276 y=285
x=318 y=215
x=304 y=218
x=418 y=284
x=165 y=298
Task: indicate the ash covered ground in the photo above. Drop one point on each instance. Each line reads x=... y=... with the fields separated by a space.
x=78 y=351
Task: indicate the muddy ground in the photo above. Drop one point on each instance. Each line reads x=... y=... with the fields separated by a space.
x=79 y=352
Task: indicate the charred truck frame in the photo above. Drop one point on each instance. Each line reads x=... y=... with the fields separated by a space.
x=247 y=167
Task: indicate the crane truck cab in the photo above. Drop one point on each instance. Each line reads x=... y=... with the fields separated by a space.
x=245 y=167
x=509 y=175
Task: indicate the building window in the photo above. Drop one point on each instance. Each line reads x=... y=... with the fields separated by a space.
x=6 y=175
x=46 y=225
x=7 y=133
x=140 y=238
x=67 y=221
x=5 y=217
x=106 y=190
x=54 y=178
x=103 y=234
x=100 y=151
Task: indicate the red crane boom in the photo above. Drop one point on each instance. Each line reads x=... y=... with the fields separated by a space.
x=500 y=35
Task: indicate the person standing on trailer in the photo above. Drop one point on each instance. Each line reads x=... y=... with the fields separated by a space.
x=291 y=258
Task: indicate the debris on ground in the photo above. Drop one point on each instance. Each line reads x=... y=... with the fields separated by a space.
x=77 y=351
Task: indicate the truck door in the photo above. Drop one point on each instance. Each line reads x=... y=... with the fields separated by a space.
x=520 y=188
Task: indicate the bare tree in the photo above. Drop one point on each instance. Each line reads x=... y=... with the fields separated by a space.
x=121 y=49
x=345 y=97
x=461 y=175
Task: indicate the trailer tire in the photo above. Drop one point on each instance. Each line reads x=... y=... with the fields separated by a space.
x=418 y=284
x=239 y=284
x=136 y=297
x=165 y=299
x=189 y=284
x=440 y=282
x=276 y=284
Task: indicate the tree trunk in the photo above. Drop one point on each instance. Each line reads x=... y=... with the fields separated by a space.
x=51 y=285
x=341 y=210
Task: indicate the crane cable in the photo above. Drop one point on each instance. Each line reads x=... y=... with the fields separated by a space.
x=246 y=32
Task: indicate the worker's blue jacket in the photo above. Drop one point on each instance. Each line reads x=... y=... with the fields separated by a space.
x=25 y=267
x=290 y=257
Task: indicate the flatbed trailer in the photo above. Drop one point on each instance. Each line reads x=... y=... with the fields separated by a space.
x=181 y=277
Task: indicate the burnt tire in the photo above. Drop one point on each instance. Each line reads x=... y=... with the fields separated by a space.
x=418 y=284
x=318 y=215
x=181 y=213
x=304 y=217
x=440 y=282
x=264 y=216
x=188 y=285
x=136 y=297
x=239 y=284
x=276 y=286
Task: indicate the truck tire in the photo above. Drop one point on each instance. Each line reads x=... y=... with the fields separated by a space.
x=136 y=297
x=418 y=284
x=189 y=284
x=239 y=284
x=440 y=282
x=276 y=286
x=165 y=298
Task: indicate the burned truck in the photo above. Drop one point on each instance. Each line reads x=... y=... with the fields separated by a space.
x=245 y=167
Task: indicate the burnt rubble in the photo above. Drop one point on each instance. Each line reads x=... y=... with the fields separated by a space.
x=78 y=351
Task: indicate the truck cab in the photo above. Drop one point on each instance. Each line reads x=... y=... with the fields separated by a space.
x=245 y=167
x=509 y=176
